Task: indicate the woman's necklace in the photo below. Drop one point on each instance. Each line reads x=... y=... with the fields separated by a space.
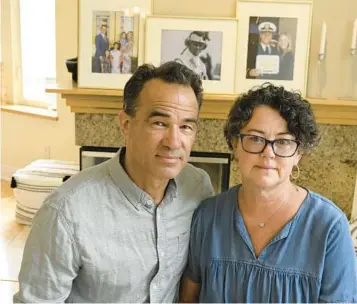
x=262 y=224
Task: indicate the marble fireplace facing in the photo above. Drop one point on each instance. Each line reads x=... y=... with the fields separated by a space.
x=330 y=170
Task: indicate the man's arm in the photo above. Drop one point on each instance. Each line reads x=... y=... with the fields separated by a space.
x=190 y=291
x=50 y=260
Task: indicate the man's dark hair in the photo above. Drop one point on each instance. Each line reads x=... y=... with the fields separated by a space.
x=291 y=106
x=169 y=72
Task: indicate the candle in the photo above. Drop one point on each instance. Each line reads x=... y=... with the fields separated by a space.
x=136 y=10
x=354 y=35
x=323 y=39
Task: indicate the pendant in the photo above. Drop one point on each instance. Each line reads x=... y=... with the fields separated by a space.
x=261 y=225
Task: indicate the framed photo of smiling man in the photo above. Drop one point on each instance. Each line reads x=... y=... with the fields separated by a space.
x=273 y=43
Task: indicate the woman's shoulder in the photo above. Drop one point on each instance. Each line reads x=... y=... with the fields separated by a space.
x=321 y=210
x=219 y=202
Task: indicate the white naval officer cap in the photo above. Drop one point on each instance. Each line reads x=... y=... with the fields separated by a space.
x=267 y=27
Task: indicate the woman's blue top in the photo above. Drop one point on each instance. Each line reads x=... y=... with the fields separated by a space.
x=310 y=260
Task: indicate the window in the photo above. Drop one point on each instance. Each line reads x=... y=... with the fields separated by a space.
x=33 y=52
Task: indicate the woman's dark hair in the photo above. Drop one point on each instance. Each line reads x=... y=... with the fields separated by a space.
x=170 y=72
x=291 y=106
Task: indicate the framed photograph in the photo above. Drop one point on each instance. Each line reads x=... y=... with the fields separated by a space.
x=273 y=43
x=111 y=44
x=207 y=46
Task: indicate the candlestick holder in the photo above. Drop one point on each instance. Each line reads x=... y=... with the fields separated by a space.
x=351 y=74
x=321 y=75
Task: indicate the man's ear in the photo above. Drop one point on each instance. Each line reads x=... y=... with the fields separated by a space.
x=124 y=122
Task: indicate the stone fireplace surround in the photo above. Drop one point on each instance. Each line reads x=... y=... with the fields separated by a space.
x=330 y=170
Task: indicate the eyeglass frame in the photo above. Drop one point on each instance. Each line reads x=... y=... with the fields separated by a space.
x=270 y=142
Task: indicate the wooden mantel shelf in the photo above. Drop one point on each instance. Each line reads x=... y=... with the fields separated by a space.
x=215 y=106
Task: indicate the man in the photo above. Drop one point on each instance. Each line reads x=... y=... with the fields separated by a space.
x=101 y=45
x=119 y=231
x=266 y=46
x=190 y=56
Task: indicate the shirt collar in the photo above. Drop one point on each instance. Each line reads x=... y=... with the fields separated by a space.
x=133 y=193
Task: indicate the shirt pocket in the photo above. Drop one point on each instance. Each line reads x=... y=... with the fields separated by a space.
x=178 y=252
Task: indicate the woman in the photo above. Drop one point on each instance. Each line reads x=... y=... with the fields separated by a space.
x=268 y=239
x=286 y=65
x=128 y=54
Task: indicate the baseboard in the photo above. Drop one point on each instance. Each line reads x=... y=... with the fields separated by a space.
x=7 y=172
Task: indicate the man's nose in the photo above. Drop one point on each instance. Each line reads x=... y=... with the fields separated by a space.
x=173 y=138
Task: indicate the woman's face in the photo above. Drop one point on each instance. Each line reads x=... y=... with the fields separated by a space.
x=265 y=170
x=283 y=42
x=130 y=36
x=116 y=46
x=123 y=35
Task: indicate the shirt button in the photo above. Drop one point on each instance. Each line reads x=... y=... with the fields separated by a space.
x=162 y=253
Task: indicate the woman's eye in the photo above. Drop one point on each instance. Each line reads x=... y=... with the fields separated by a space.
x=256 y=139
x=283 y=142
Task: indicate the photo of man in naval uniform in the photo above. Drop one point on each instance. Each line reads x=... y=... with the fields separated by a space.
x=265 y=46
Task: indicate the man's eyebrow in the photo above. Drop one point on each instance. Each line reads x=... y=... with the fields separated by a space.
x=191 y=120
x=158 y=113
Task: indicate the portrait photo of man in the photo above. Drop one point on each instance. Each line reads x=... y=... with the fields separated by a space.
x=271 y=48
x=101 y=46
x=198 y=50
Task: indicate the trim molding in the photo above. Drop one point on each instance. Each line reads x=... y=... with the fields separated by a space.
x=7 y=172
x=214 y=106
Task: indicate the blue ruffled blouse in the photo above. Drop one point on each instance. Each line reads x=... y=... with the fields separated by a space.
x=310 y=260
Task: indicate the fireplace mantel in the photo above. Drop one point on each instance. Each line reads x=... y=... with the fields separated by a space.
x=215 y=106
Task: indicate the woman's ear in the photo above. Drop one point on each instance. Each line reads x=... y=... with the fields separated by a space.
x=299 y=155
x=234 y=143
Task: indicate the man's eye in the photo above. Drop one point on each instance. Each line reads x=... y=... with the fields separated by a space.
x=187 y=127
x=159 y=123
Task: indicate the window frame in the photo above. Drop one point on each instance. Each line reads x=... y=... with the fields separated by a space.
x=16 y=85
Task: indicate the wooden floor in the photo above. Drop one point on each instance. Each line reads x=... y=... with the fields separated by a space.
x=12 y=240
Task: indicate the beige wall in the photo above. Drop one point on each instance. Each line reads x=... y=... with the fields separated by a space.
x=24 y=138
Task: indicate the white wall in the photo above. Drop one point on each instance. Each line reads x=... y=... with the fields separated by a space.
x=24 y=138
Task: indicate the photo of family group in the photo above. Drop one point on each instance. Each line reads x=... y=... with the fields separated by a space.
x=201 y=51
x=271 y=48
x=115 y=43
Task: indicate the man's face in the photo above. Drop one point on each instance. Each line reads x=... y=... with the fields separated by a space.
x=196 y=47
x=266 y=37
x=160 y=136
x=103 y=29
